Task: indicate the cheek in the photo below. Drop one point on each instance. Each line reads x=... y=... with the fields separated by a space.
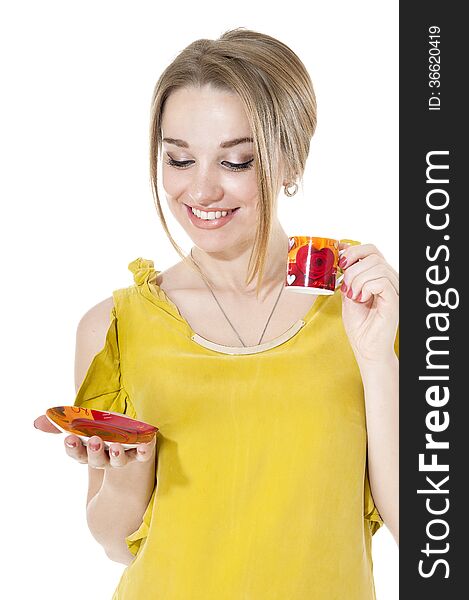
x=173 y=182
x=241 y=186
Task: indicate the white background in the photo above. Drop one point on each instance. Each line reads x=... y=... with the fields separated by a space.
x=77 y=78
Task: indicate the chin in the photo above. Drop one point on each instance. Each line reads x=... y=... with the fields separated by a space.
x=211 y=245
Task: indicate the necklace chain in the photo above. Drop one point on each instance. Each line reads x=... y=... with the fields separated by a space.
x=226 y=316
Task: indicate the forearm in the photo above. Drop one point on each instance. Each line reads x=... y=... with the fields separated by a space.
x=117 y=509
x=381 y=387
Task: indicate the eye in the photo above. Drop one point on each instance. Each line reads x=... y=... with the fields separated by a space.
x=183 y=164
x=240 y=166
x=179 y=164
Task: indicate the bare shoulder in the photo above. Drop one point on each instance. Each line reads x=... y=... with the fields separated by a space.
x=178 y=278
x=97 y=315
x=91 y=336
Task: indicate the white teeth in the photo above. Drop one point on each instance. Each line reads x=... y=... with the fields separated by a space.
x=209 y=216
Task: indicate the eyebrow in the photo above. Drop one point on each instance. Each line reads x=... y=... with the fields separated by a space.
x=228 y=144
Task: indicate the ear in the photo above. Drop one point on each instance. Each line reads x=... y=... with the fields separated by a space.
x=290 y=180
x=282 y=173
x=284 y=176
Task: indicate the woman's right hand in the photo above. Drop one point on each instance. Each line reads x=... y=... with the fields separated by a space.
x=95 y=454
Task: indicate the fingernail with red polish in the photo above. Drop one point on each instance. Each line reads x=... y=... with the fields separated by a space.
x=350 y=293
x=115 y=452
x=342 y=261
x=71 y=443
x=343 y=288
x=359 y=297
x=95 y=446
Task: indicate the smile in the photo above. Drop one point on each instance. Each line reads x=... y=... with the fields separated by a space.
x=210 y=219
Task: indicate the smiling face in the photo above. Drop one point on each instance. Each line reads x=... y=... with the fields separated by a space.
x=208 y=164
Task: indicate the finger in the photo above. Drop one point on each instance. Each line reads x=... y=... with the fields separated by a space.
x=44 y=424
x=395 y=272
x=356 y=282
x=145 y=452
x=351 y=270
x=343 y=246
x=117 y=456
x=75 y=448
x=378 y=287
x=357 y=292
x=345 y=243
x=357 y=252
x=97 y=457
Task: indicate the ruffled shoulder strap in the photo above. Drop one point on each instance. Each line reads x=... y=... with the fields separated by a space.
x=145 y=277
x=142 y=270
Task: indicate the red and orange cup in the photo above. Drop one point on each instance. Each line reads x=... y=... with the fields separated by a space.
x=313 y=265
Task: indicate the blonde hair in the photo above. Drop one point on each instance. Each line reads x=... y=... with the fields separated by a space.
x=278 y=97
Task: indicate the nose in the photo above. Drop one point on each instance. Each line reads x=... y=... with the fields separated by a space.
x=204 y=187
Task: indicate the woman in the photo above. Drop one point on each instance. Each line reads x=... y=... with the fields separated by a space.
x=276 y=458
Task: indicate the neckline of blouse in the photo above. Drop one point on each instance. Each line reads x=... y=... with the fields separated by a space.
x=145 y=277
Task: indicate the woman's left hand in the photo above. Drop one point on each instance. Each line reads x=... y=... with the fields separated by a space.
x=370 y=302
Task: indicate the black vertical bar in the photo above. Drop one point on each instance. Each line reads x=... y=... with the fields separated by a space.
x=434 y=350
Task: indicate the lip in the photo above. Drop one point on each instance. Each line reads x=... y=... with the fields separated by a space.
x=212 y=224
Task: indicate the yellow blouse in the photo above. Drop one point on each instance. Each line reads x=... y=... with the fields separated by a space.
x=262 y=490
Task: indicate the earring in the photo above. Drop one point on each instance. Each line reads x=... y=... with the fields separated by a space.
x=287 y=190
